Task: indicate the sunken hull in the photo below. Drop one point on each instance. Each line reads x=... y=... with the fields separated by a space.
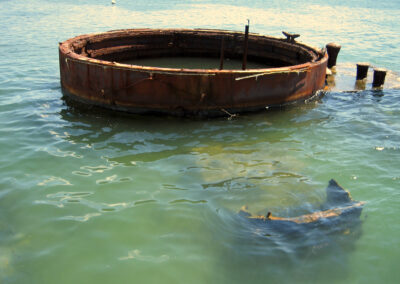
x=92 y=71
x=339 y=210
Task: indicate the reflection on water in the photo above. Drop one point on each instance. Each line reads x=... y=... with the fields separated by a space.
x=345 y=79
x=91 y=196
x=276 y=253
x=140 y=180
x=212 y=168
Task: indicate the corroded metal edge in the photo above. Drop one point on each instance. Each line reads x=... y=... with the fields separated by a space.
x=338 y=205
x=141 y=89
x=354 y=208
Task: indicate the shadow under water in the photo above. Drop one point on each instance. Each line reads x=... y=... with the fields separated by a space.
x=292 y=249
x=200 y=153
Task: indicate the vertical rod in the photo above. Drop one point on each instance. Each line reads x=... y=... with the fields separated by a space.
x=246 y=44
x=221 y=60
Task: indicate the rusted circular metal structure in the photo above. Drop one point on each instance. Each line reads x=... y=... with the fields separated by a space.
x=92 y=71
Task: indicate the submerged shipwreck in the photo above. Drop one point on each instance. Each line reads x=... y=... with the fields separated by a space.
x=338 y=209
x=105 y=69
x=334 y=227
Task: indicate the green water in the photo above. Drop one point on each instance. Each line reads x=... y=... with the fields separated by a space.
x=89 y=196
x=194 y=63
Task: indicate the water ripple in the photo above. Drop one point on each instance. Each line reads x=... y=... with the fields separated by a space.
x=167 y=191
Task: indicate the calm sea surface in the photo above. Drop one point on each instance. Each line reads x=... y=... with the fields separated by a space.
x=88 y=196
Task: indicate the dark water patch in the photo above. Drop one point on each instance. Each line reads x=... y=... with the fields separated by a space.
x=187 y=201
x=141 y=202
x=173 y=187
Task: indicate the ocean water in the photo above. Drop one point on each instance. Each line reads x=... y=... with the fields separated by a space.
x=91 y=196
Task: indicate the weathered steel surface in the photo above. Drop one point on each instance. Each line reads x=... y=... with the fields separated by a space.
x=362 y=70
x=333 y=51
x=90 y=72
x=379 y=77
x=339 y=207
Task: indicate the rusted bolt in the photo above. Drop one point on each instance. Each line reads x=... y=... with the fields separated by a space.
x=333 y=51
x=379 y=77
x=362 y=70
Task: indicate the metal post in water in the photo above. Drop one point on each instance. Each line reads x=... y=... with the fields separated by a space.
x=362 y=70
x=379 y=77
x=333 y=51
x=362 y=73
x=221 y=60
x=246 y=44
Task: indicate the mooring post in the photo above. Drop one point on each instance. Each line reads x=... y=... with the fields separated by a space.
x=362 y=70
x=333 y=51
x=246 y=44
x=362 y=73
x=379 y=77
x=221 y=60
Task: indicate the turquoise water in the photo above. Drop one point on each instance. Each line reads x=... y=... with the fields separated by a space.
x=88 y=196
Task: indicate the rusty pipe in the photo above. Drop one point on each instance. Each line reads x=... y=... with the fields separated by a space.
x=246 y=45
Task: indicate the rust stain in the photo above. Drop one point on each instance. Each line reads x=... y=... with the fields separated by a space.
x=338 y=204
x=313 y=217
x=91 y=71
